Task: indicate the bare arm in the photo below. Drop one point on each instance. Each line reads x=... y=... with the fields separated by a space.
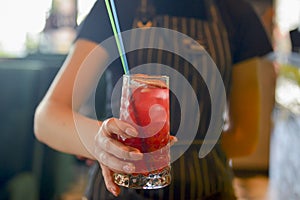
x=54 y=122
x=250 y=106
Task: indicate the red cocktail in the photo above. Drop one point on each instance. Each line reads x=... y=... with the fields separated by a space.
x=145 y=105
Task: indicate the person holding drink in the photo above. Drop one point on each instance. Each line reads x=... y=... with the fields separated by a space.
x=228 y=30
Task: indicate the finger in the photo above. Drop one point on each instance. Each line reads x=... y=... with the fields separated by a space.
x=114 y=163
x=117 y=149
x=173 y=140
x=108 y=180
x=118 y=127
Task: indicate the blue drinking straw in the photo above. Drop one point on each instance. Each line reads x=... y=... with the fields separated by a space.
x=113 y=17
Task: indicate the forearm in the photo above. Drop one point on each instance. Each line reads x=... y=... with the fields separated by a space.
x=55 y=125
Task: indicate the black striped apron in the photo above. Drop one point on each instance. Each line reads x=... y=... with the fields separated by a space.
x=192 y=178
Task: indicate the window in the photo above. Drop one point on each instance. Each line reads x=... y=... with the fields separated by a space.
x=287 y=18
x=23 y=21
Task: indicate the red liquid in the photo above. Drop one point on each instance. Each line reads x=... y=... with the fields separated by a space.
x=145 y=105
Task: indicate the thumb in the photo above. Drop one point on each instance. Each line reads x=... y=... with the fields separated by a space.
x=109 y=182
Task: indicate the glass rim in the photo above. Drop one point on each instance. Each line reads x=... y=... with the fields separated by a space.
x=146 y=77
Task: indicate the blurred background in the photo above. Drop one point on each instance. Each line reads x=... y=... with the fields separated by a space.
x=35 y=37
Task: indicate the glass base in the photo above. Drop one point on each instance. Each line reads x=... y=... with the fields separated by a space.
x=155 y=180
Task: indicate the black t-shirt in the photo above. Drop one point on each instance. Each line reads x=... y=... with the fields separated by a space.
x=245 y=31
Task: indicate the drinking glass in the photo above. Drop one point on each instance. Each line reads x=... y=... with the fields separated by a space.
x=145 y=105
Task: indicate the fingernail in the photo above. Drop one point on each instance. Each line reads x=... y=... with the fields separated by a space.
x=129 y=168
x=131 y=132
x=114 y=191
x=136 y=155
x=174 y=139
